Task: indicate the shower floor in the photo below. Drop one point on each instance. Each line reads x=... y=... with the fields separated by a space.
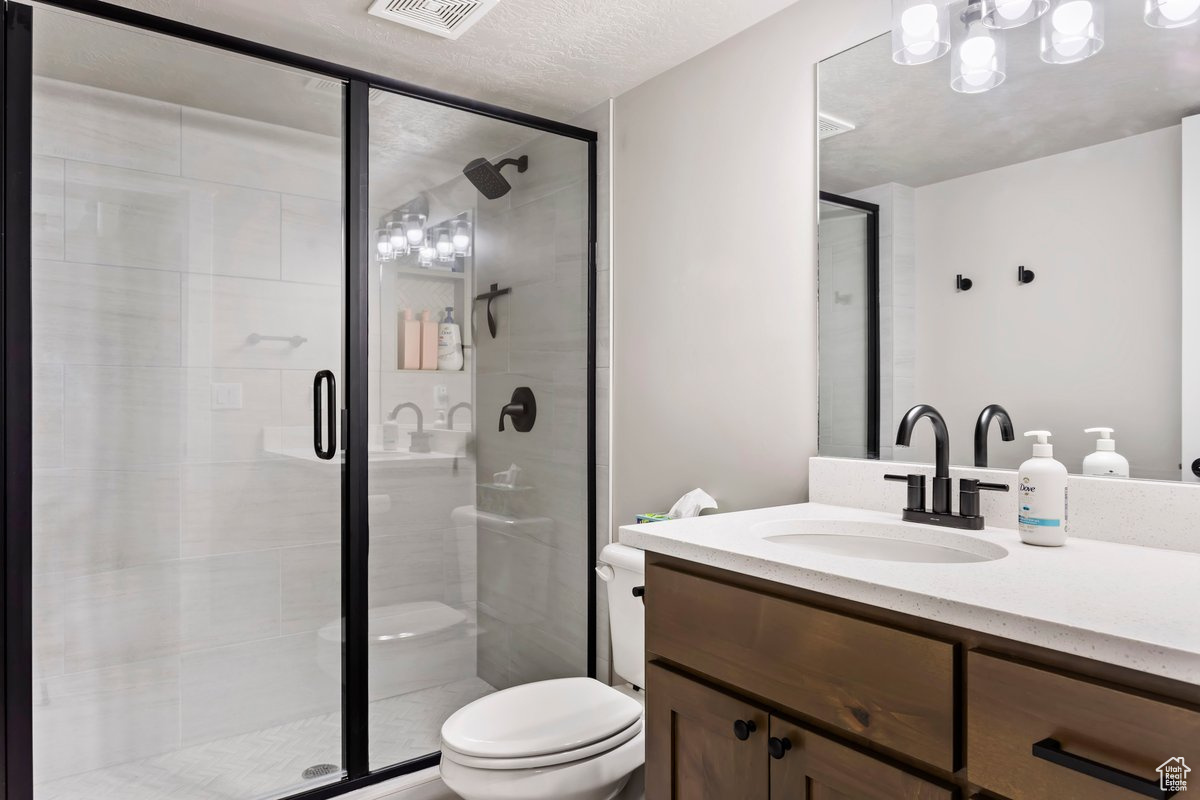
x=269 y=763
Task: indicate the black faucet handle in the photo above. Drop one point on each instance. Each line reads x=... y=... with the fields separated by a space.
x=916 y=490
x=968 y=494
x=992 y=487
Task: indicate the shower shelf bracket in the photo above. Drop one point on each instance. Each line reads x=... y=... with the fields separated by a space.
x=490 y=295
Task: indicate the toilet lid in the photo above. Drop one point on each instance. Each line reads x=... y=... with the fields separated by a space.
x=540 y=718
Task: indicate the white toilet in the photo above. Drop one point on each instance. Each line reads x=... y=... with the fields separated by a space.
x=563 y=739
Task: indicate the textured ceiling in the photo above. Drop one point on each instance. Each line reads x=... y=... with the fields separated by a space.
x=914 y=129
x=555 y=58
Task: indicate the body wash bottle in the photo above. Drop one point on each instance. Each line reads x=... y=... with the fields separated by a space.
x=1042 y=496
x=1106 y=462
x=450 y=351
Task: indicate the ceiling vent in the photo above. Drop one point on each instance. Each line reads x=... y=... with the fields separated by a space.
x=332 y=87
x=446 y=18
x=831 y=126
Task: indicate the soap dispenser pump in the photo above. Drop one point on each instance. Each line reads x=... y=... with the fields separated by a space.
x=1106 y=462
x=1042 y=496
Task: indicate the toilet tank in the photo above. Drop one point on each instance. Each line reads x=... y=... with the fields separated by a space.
x=622 y=568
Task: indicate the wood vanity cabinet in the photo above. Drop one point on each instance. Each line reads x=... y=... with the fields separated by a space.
x=759 y=691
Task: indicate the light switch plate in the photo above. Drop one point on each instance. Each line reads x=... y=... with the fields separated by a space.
x=226 y=396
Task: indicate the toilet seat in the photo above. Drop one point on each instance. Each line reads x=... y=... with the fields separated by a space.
x=541 y=724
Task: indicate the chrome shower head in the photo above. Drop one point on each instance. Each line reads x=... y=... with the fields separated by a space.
x=486 y=177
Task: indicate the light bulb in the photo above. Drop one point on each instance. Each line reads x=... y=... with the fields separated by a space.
x=445 y=248
x=462 y=242
x=396 y=235
x=1073 y=16
x=414 y=228
x=919 y=19
x=921 y=44
x=383 y=244
x=977 y=59
x=978 y=51
x=1013 y=9
x=1172 y=13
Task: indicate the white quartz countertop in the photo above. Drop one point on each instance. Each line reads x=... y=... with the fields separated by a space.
x=1136 y=607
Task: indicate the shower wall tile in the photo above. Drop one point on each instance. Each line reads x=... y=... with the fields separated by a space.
x=123 y=416
x=94 y=719
x=131 y=520
x=121 y=617
x=49 y=640
x=229 y=599
x=459 y=560
x=231 y=434
x=312 y=240
x=125 y=217
x=47 y=208
x=555 y=163
x=311 y=592
x=243 y=506
x=86 y=314
x=84 y=123
x=244 y=152
x=550 y=315
x=221 y=312
x=233 y=231
x=247 y=687
x=47 y=415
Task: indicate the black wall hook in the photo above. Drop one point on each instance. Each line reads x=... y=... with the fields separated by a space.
x=963 y=284
x=491 y=295
x=1024 y=275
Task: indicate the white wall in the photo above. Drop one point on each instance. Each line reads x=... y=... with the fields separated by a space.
x=714 y=308
x=1094 y=340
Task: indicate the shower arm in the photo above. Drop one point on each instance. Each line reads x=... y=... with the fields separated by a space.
x=521 y=163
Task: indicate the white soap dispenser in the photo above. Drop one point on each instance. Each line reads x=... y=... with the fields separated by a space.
x=1042 y=496
x=1106 y=462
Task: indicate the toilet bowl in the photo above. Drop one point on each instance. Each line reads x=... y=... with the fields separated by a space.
x=411 y=646
x=560 y=739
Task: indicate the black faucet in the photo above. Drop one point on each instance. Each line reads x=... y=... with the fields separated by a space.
x=968 y=517
x=941 y=437
x=982 y=424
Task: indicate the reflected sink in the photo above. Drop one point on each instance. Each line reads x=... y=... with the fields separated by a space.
x=879 y=541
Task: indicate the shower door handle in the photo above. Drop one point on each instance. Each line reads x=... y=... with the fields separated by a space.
x=325 y=453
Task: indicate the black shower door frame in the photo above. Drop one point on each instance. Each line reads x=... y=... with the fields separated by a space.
x=16 y=680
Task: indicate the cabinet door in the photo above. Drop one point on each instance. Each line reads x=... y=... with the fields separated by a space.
x=702 y=744
x=806 y=766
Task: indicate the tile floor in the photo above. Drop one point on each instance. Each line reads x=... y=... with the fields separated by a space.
x=270 y=763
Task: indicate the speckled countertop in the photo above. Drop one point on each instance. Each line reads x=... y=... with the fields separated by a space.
x=1136 y=607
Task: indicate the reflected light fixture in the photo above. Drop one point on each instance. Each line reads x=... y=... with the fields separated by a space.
x=1006 y=14
x=427 y=254
x=414 y=229
x=920 y=31
x=1072 y=30
x=1172 y=13
x=462 y=235
x=977 y=55
x=397 y=239
x=445 y=248
x=383 y=244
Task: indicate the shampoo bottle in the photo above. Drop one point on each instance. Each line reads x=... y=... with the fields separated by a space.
x=1106 y=462
x=429 y=336
x=450 y=352
x=408 y=336
x=1042 y=496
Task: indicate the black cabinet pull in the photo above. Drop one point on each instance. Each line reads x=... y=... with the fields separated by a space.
x=743 y=728
x=326 y=453
x=1051 y=750
x=778 y=747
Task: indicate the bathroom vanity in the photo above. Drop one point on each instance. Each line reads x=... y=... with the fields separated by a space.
x=779 y=672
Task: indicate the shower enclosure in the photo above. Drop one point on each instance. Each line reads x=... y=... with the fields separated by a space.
x=253 y=549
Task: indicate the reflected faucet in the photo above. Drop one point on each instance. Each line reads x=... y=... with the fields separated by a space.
x=450 y=415
x=418 y=439
x=982 y=424
x=941 y=435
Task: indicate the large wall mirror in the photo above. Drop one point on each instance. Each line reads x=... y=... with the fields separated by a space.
x=1015 y=222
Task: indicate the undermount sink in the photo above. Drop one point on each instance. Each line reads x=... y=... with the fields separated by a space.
x=879 y=541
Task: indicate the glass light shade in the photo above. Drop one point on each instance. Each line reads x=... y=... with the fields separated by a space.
x=977 y=54
x=445 y=248
x=1072 y=30
x=397 y=238
x=1172 y=13
x=427 y=255
x=383 y=243
x=920 y=31
x=414 y=228
x=1004 y=14
x=462 y=236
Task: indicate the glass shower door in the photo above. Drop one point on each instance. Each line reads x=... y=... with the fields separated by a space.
x=187 y=292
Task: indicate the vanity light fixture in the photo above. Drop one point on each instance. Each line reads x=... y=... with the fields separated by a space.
x=398 y=239
x=414 y=229
x=462 y=236
x=427 y=254
x=444 y=247
x=1172 y=13
x=1005 y=14
x=920 y=31
x=1072 y=30
x=977 y=55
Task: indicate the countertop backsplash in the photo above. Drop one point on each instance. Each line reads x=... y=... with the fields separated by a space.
x=1147 y=513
